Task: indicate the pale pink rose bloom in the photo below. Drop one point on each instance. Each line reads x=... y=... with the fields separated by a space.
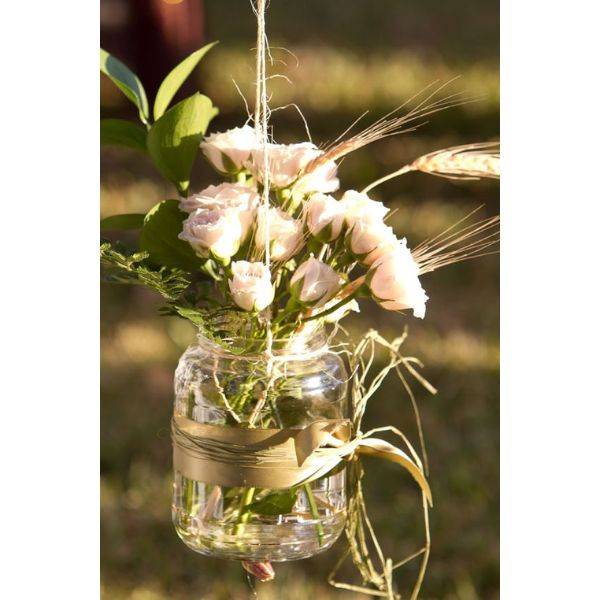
x=229 y=150
x=250 y=285
x=370 y=239
x=286 y=162
x=360 y=206
x=394 y=282
x=324 y=217
x=285 y=233
x=323 y=179
x=314 y=282
x=242 y=198
x=214 y=232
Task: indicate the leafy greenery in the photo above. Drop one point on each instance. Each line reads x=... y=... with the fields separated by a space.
x=127 y=81
x=123 y=133
x=174 y=80
x=122 y=222
x=159 y=238
x=280 y=502
x=133 y=269
x=173 y=139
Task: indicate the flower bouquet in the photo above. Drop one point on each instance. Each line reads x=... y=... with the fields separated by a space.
x=266 y=263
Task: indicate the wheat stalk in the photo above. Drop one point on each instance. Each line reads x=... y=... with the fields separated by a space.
x=470 y=161
x=389 y=125
x=452 y=246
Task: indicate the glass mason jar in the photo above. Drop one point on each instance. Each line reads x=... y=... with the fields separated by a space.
x=220 y=385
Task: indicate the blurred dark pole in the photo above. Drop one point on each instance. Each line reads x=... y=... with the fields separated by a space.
x=151 y=36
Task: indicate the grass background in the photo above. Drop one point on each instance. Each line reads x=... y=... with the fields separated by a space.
x=348 y=57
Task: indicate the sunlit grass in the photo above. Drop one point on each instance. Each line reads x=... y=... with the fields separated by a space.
x=134 y=196
x=137 y=343
x=325 y=79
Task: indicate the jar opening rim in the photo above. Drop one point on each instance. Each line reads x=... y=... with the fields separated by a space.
x=299 y=346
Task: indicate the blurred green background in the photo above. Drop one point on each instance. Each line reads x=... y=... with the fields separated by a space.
x=342 y=58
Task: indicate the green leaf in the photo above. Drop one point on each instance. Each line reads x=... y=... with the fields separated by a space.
x=127 y=81
x=159 y=238
x=275 y=503
x=174 y=80
x=122 y=222
x=173 y=140
x=191 y=314
x=123 y=133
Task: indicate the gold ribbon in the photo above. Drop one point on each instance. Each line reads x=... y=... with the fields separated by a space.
x=276 y=458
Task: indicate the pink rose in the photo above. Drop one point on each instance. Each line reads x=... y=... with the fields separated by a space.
x=394 y=282
x=250 y=285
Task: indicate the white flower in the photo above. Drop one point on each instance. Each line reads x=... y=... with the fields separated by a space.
x=250 y=285
x=241 y=198
x=394 y=282
x=323 y=179
x=341 y=312
x=358 y=205
x=228 y=151
x=314 y=282
x=324 y=217
x=286 y=162
x=223 y=195
x=285 y=233
x=370 y=239
x=213 y=232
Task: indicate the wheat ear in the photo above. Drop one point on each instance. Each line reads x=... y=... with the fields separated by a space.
x=456 y=245
x=470 y=161
x=389 y=125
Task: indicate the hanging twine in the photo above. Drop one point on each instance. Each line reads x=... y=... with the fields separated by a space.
x=261 y=115
x=231 y=456
x=261 y=121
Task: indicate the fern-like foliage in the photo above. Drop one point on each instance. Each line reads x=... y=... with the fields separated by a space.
x=194 y=301
x=119 y=267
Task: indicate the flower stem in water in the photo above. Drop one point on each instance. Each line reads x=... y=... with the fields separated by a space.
x=314 y=511
x=244 y=515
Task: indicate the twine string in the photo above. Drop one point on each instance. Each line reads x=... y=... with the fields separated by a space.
x=261 y=121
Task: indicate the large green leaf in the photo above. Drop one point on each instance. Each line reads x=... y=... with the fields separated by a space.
x=123 y=133
x=127 y=81
x=159 y=238
x=173 y=140
x=122 y=222
x=275 y=503
x=173 y=81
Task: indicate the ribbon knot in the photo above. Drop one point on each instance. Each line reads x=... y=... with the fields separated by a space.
x=278 y=458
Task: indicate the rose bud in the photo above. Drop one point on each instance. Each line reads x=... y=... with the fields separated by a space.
x=286 y=162
x=314 y=282
x=215 y=233
x=357 y=205
x=263 y=571
x=285 y=234
x=242 y=198
x=228 y=151
x=323 y=180
x=369 y=240
x=250 y=285
x=324 y=217
x=394 y=282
